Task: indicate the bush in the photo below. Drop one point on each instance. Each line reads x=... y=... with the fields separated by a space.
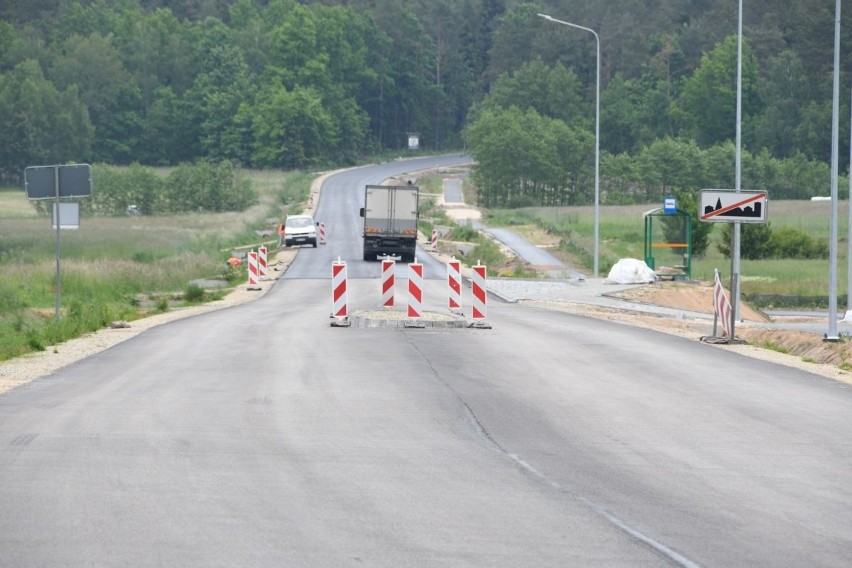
x=203 y=186
x=465 y=234
x=759 y=241
x=789 y=242
x=193 y=294
x=754 y=241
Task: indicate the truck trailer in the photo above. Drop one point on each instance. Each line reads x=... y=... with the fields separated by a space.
x=390 y=215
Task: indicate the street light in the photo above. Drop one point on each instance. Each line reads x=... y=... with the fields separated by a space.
x=597 y=131
x=832 y=253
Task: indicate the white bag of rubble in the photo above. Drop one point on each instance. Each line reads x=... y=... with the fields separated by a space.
x=630 y=271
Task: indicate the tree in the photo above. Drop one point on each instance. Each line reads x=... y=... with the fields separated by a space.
x=555 y=92
x=755 y=240
x=10 y=43
x=94 y=66
x=292 y=128
x=408 y=91
x=171 y=134
x=687 y=200
x=39 y=124
x=706 y=108
x=784 y=90
x=667 y=165
x=524 y=158
x=222 y=84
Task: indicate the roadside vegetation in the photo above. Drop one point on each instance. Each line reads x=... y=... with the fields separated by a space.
x=121 y=268
x=775 y=278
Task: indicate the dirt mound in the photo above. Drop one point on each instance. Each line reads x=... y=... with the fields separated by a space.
x=694 y=297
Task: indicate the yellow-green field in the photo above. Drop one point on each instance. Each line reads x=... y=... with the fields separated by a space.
x=120 y=268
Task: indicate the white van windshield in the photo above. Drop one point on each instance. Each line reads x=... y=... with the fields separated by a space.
x=299 y=222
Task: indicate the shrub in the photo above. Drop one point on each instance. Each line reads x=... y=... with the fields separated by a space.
x=193 y=294
x=754 y=241
x=466 y=234
x=789 y=242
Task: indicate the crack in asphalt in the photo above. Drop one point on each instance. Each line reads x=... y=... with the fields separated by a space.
x=655 y=545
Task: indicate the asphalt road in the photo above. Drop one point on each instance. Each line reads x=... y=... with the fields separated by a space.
x=342 y=197
x=261 y=436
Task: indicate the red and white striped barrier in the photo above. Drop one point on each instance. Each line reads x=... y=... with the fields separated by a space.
x=434 y=241
x=722 y=306
x=252 y=271
x=415 y=291
x=322 y=233
x=388 y=267
x=454 y=284
x=480 y=308
x=261 y=262
x=340 y=307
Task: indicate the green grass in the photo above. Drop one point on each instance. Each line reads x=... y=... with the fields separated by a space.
x=110 y=263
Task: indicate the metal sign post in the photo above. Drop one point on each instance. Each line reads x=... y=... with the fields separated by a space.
x=56 y=182
x=733 y=206
x=58 y=303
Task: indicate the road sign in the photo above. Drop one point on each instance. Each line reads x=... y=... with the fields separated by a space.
x=731 y=206
x=74 y=180
x=68 y=215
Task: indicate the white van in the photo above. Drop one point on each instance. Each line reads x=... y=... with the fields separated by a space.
x=300 y=230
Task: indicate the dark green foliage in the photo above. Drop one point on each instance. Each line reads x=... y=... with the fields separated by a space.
x=759 y=241
x=288 y=83
x=789 y=242
x=207 y=186
x=754 y=240
x=706 y=107
x=204 y=186
x=700 y=231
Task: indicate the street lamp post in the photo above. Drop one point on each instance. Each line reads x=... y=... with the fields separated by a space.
x=597 y=133
x=832 y=253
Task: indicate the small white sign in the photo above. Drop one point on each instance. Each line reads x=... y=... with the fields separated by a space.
x=69 y=215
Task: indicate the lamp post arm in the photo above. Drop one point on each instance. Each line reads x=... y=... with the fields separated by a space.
x=590 y=30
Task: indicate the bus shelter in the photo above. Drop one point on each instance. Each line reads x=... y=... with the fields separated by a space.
x=668 y=243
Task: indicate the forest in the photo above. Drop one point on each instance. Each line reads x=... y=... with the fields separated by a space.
x=290 y=84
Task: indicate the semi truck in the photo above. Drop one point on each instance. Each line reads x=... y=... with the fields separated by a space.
x=390 y=215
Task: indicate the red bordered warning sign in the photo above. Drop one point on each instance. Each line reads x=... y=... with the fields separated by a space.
x=730 y=206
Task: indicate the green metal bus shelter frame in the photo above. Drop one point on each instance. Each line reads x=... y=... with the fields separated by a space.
x=686 y=245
